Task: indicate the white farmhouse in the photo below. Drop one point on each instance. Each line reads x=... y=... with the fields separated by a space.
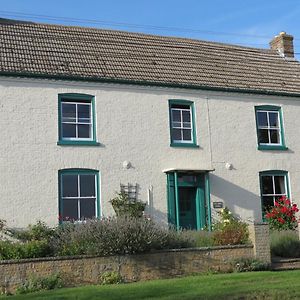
x=186 y=126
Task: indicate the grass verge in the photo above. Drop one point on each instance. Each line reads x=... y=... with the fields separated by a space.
x=246 y=286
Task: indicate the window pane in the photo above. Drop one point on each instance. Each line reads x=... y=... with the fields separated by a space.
x=70 y=209
x=274 y=134
x=176 y=116
x=87 y=208
x=186 y=116
x=69 y=186
x=263 y=136
x=267 y=185
x=262 y=118
x=176 y=134
x=176 y=124
x=68 y=130
x=84 y=131
x=267 y=202
x=83 y=112
x=187 y=125
x=68 y=110
x=273 y=119
x=87 y=185
x=279 y=185
x=187 y=134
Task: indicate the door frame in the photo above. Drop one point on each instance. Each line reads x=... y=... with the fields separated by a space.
x=203 y=208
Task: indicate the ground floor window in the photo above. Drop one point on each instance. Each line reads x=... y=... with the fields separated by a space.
x=274 y=185
x=188 y=200
x=79 y=195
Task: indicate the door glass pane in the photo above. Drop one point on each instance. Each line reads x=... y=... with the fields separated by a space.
x=69 y=130
x=84 y=131
x=187 y=134
x=68 y=110
x=88 y=208
x=186 y=116
x=69 y=186
x=70 y=209
x=267 y=185
x=176 y=134
x=187 y=178
x=87 y=185
x=274 y=134
x=84 y=112
x=176 y=116
x=273 y=119
x=263 y=136
x=279 y=185
x=262 y=118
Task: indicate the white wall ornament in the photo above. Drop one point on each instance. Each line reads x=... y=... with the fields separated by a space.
x=126 y=164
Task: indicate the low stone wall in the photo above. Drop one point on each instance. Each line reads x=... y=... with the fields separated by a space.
x=86 y=270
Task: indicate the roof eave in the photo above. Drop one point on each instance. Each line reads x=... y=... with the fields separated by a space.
x=149 y=83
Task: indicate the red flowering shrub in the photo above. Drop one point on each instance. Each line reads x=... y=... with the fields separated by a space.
x=282 y=215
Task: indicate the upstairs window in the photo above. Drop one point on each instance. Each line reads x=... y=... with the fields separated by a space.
x=274 y=185
x=77 y=119
x=269 y=128
x=182 y=123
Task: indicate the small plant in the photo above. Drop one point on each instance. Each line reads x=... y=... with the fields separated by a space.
x=282 y=215
x=249 y=265
x=285 y=244
x=2 y=225
x=230 y=230
x=111 y=277
x=123 y=206
x=35 y=284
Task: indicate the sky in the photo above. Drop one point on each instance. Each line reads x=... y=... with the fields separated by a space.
x=245 y=22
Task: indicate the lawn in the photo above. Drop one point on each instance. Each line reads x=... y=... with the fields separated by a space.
x=255 y=285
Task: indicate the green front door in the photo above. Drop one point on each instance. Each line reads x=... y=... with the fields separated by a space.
x=188 y=205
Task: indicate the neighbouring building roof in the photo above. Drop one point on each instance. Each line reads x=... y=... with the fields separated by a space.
x=33 y=49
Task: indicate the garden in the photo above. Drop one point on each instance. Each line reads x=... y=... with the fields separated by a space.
x=130 y=232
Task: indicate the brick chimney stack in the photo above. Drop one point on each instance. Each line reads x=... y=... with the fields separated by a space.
x=283 y=43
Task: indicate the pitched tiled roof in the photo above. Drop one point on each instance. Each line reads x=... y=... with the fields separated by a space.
x=96 y=54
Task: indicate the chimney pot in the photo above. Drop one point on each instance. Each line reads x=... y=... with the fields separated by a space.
x=283 y=43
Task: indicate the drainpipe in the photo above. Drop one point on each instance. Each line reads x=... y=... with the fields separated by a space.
x=176 y=200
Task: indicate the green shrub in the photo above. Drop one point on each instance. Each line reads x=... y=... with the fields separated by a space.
x=121 y=235
x=31 y=249
x=249 y=264
x=123 y=206
x=285 y=244
x=111 y=277
x=37 y=232
x=229 y=230
x=35 y=284
x=201 y=238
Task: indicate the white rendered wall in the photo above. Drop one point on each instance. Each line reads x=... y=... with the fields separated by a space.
x=133 y=125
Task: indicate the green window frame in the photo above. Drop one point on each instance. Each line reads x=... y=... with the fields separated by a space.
x=273 y=185
x=80 y=192
x=185 y=129
x=269 y=127
x=76 y=122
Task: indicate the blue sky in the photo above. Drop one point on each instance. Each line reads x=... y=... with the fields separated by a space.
x=246 y=22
